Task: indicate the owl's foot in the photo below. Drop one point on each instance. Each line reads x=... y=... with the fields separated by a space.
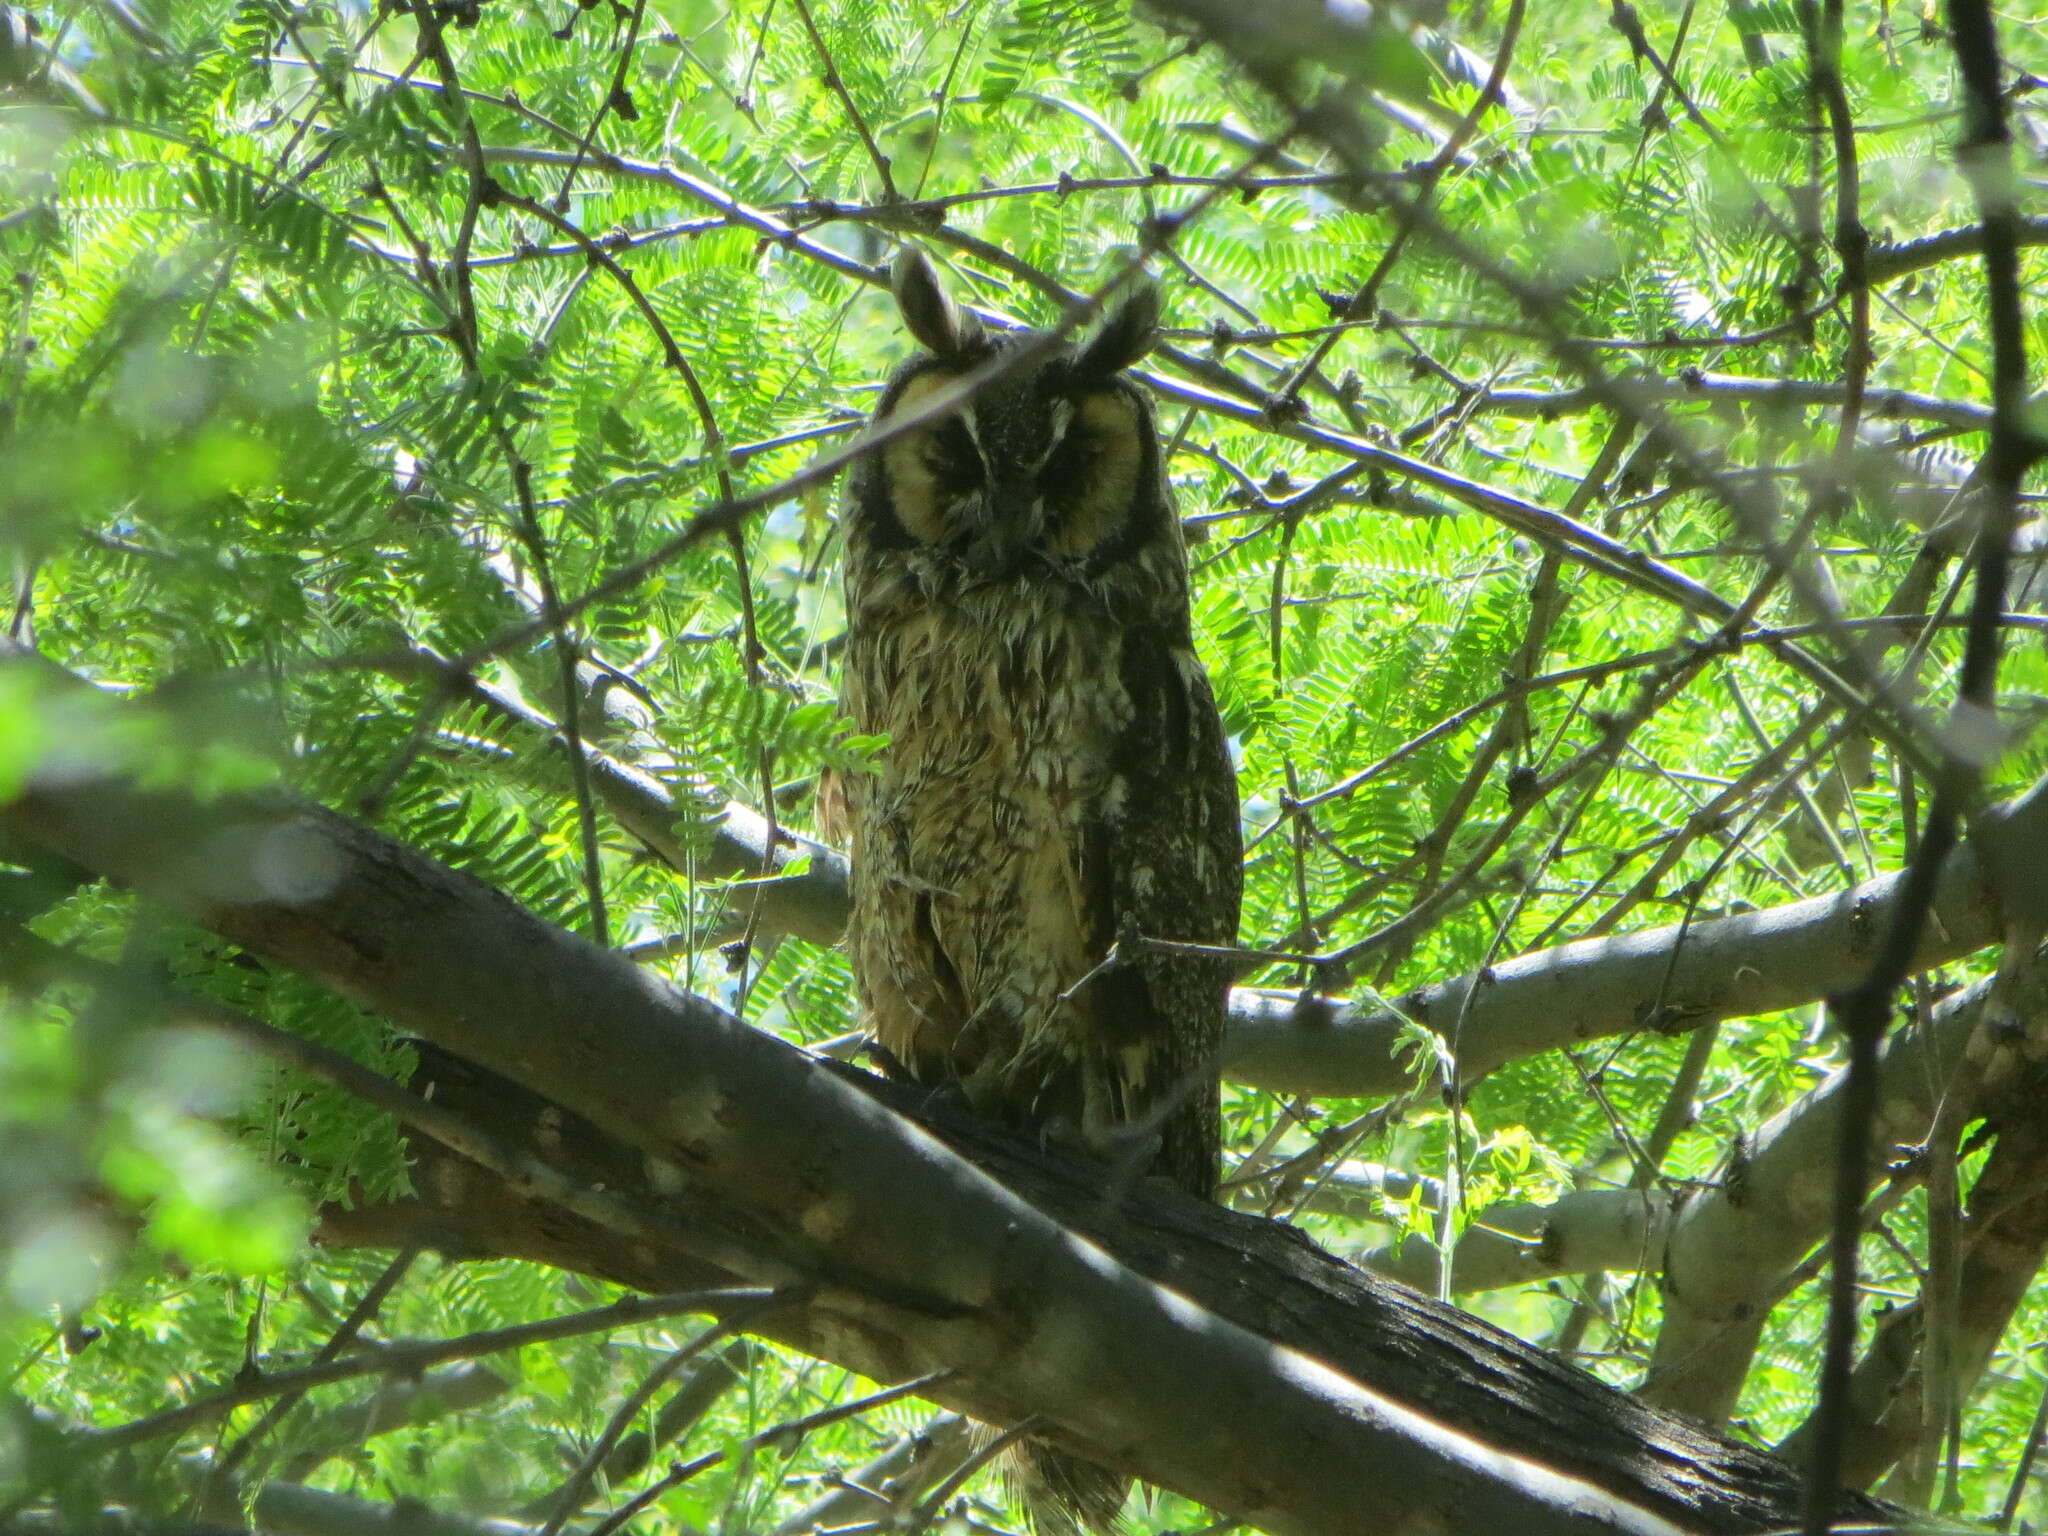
x=887 y=1061
x=951 y=1098
x=1127 y=1149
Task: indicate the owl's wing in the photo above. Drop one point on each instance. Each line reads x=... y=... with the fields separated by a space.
x=1168 y=857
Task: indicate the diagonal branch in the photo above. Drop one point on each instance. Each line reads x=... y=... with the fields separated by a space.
x=1730 y=1246
x=723 y=1119
x=1675 y=977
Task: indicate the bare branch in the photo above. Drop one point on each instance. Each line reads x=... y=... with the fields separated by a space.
x=1034 y=1321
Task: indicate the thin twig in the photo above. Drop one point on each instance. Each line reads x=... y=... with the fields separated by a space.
x=1864 y=1010
x=407 y=1359
x=2023 y=1464
x=836 y=83
x=366 y=1308
x=616 y=99
x=570 y=1495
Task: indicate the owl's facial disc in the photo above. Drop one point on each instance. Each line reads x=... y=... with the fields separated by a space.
x=1091 y=473
x=931 y=473
x=1025 y=468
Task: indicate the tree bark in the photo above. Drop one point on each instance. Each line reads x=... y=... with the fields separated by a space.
x=1299 y=1395
x=1672 y=978
x=1731 y=1245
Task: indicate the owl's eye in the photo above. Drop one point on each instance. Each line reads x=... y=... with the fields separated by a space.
x=929 y=472
x=1070 y=457
x=952 y=453
x=1090 y=479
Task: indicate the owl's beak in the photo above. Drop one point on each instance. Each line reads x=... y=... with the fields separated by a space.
x=1009 y=524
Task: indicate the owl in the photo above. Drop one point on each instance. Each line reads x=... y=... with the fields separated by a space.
x=1056 y=776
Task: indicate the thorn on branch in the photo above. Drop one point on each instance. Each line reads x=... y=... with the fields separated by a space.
x=1623 y=18
x=1279 y=410
x=1907 y=1159
x=1159 y=229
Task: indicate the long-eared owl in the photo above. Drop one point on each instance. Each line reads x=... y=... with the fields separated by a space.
x=1056 y=775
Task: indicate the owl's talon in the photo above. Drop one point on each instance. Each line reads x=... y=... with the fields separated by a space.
x=951 y=1097
x=1017 y=628
x=1128 y=1148
x=888 y=1061
x=1062 y=1134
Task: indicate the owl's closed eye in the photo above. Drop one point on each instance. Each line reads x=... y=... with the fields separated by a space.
x=1017 y=599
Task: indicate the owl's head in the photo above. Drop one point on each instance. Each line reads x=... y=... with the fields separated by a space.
x=1054 y=462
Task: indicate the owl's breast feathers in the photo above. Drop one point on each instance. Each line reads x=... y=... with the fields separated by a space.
x=1056 y=775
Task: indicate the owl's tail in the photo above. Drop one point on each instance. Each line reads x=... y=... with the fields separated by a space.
x=1064 y=1494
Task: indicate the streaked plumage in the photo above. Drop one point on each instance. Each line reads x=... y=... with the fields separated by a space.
x=1056 y=775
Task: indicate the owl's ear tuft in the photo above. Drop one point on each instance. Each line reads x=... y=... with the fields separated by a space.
x=1126 y=336
x=929 y=313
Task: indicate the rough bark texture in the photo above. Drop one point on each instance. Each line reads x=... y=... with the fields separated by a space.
x=1671 y=978
x=1263 y=1275
x=1394 y=1414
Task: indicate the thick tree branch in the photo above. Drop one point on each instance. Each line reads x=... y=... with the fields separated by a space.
x=831 y=1185
x=1732 y=1245
x=1671 y=978
x=1676 y=977
x=1587 y=1231
x=1256 y=1273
